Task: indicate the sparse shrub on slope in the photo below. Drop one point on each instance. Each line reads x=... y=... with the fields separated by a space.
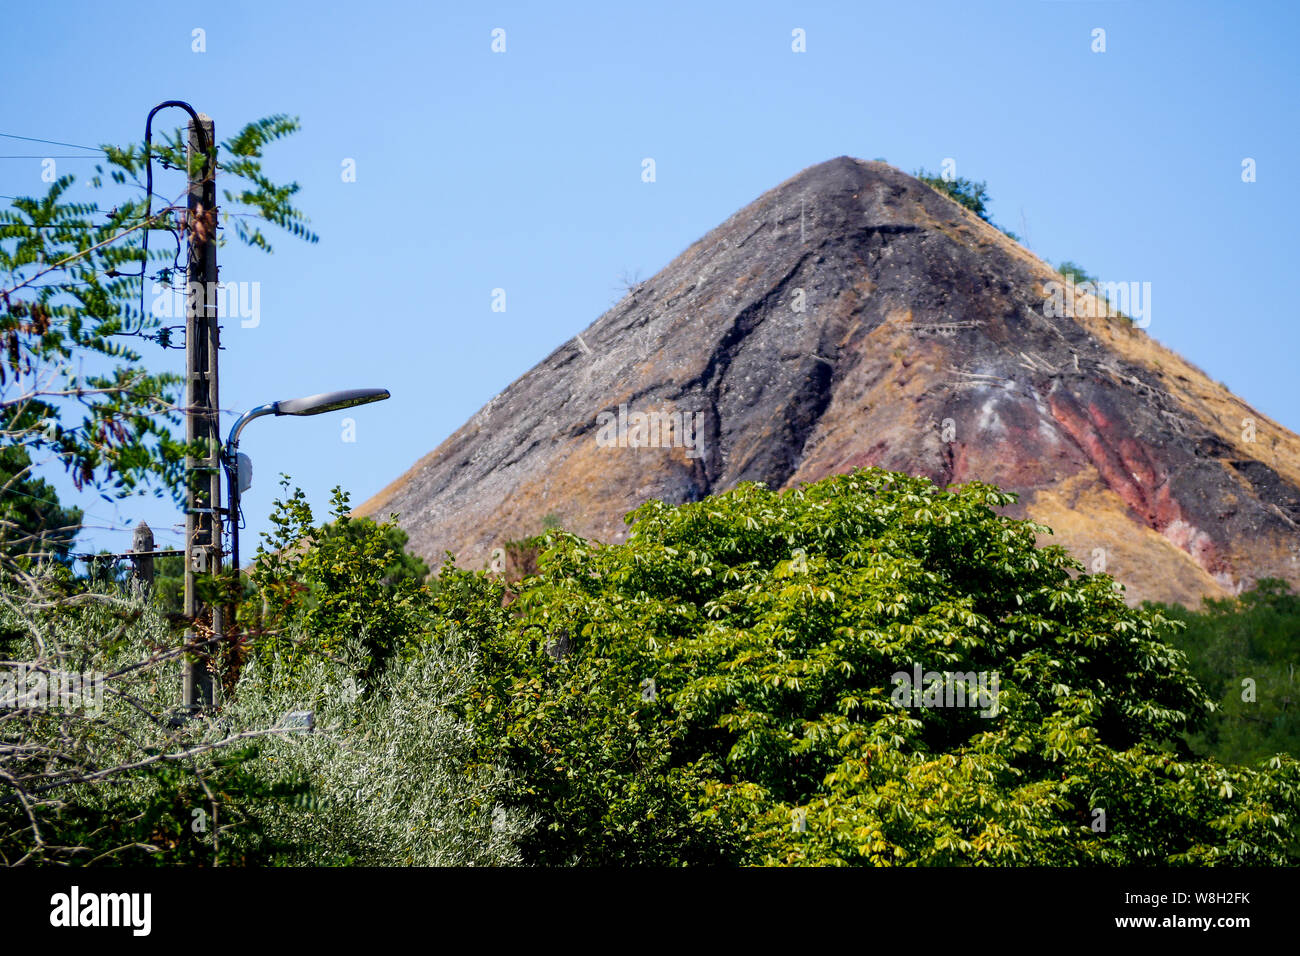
x=974 y=196
x=965 y=192
x=1075 y=273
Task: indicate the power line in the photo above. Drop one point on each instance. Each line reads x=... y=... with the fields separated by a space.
x=52 y=142
x=44 y=501
x=86 y=252
x=127 y=185
x=49 y=501
x=57 y=225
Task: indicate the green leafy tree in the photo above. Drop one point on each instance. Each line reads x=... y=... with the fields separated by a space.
x=350 y=579
x=101 y=772
x=733 y=684
x=32 y=521
x=75 y=389
x=1244 y=651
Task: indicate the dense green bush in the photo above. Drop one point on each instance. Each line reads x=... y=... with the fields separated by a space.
x=32 y=521
x=320 y=588
x=723 y=688
x=1244 y=651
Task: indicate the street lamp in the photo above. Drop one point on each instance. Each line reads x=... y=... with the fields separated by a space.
x=311 y=405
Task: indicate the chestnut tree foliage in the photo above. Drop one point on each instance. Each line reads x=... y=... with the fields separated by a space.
x=720 y=689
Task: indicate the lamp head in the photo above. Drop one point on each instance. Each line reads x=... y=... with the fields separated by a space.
x=330 y=401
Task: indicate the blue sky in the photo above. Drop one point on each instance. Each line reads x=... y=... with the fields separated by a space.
x=521 y=170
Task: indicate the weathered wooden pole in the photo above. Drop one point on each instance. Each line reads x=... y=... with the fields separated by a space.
x=142 y=547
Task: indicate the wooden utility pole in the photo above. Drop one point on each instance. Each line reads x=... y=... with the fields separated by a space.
x=203 y=495
x=142 y=551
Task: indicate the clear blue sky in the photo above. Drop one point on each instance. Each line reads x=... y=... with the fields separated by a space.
x=522 y=171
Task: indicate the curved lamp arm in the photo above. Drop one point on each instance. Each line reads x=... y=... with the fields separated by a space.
x=310 y=405
x=232 y=443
